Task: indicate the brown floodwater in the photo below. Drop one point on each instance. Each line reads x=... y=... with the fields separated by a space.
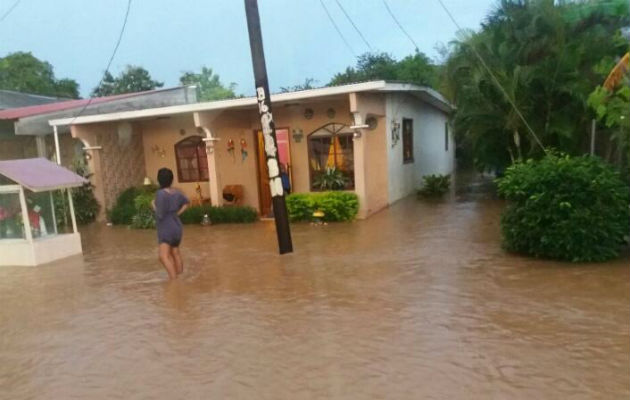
x=418 y=302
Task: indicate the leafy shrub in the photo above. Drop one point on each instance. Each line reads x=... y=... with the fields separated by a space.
x=86 y=206
x=144 y=217
x=567 y=208
x=337 y=206
x=219 y=215
x=123 y=211
x=435 y=185
x=331 y=179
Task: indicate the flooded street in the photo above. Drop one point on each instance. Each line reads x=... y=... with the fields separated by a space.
x=418 y=302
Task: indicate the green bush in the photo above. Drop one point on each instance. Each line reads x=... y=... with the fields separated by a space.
x=566 y=208
x=86 y=206
x=123 y=211
x=219 y=215
x=337 y=206
x=144 y=217
x=435 y=185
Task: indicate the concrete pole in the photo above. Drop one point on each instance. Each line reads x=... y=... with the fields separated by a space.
x=263 y=95
x=74 y=219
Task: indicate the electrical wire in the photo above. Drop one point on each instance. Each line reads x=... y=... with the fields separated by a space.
x=6 y=14
x=354 y=26
x=337 y=28
x=415 y=45
x=496 y=81
x=111 y=59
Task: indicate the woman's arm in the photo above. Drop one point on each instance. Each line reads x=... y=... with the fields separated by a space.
x=182 y=209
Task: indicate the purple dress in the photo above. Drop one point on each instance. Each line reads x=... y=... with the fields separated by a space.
x=169 y=227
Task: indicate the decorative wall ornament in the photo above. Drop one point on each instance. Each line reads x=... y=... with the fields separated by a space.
x=395 y=132
x=230 y=147
x=308 y=113
x=331 y=113
x=158 y=151
x=243 y=150
x=298 y=134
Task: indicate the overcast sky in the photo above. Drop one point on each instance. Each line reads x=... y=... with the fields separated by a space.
x=168 y=37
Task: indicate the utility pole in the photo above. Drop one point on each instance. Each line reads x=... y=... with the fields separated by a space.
x=263 y=96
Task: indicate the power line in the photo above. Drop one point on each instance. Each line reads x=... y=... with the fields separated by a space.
x=337 y=28
x=400 y=26
x=355 y=27
x=111 y=59
x=496 y=81
x=6 y=14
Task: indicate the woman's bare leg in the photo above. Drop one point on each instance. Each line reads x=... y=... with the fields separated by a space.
x=167 y=260
x=177 y=259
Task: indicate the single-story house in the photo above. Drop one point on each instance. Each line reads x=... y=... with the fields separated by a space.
x=24 y=128
x=383 y=137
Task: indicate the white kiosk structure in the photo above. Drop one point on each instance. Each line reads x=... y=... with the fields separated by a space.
x=28 y=224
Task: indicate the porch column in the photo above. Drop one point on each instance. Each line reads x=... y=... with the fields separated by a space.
x=358 y=144
x=202 y=122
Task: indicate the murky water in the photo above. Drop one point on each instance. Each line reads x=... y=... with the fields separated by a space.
x=418 y=302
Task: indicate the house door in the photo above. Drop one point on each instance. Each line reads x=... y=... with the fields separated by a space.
x=284 y=157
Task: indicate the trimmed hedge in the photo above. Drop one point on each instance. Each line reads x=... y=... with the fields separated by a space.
x=566 y=208
x=337 y=206
x=219 y=215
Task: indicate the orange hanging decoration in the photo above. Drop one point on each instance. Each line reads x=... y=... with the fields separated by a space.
x=243 y=150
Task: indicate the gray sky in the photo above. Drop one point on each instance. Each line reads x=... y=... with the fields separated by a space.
x=168 y=37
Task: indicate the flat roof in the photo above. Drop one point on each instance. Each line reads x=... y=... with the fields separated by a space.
x=40 y=174
x=429 y=95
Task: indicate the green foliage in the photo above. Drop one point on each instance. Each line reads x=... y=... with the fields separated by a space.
x=23 y=72
x=547 y=56
x=330 y=179
x=308 y=84
x=219 y=215
x=567 y=208
x=435 y=185
x=125 y=208
x=337 y=206
x=416 y=68
x=144 y=217
x=131 y=80
x=209 y=85
x=86 y=206
x=613 y=110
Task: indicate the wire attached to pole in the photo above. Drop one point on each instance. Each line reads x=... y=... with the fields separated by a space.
x=354 y=26
x=496 y=81
x=415 y=45
x=337 y=28
x=111 y=59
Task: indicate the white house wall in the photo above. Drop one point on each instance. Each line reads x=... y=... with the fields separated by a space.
x=430 y=156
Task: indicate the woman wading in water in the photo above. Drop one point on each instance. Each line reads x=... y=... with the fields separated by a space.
x=169 y=203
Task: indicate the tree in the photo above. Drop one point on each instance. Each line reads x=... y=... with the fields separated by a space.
x=415 y=68
x=132 y=79
x=545 y=55
x=23 y=72
x=308 y=84
x=209 y=84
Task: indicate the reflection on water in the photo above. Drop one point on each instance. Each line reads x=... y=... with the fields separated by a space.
x=417 y=302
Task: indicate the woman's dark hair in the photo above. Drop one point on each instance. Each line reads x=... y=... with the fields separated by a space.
x=165 y=177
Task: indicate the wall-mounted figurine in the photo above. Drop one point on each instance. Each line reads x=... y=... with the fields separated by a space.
x=230 y=147
x=243 y=150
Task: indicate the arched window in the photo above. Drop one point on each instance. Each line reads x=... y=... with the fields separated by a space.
x=192 y=160
x=331 y=147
